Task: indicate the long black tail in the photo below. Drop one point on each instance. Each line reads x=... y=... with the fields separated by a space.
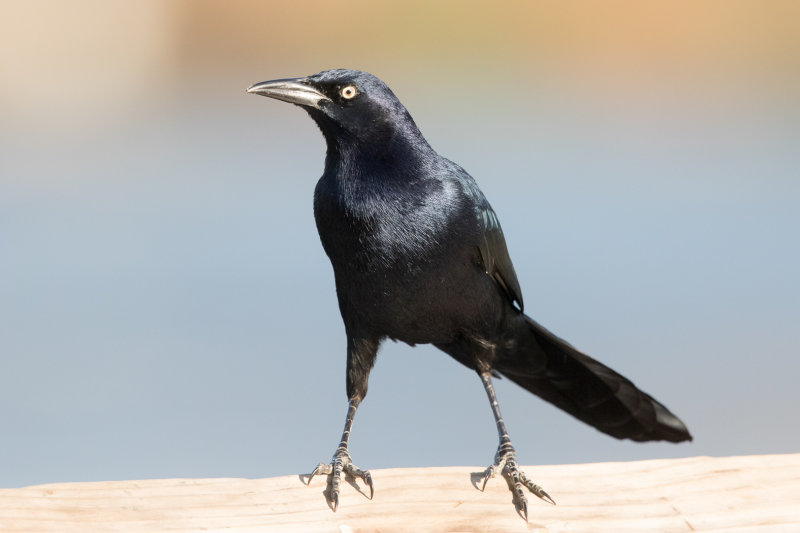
x=588 y=390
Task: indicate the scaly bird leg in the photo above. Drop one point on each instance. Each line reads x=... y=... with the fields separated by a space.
x=505 y=460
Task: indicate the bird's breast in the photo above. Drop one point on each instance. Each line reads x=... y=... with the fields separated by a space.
x=374 y=228
x=400 y=258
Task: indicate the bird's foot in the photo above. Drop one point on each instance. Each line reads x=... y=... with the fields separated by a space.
x=341 y=462
x=505 y=462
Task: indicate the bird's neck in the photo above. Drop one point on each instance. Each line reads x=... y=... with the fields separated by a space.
x=393 y=156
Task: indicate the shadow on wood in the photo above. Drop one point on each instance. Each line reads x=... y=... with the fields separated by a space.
x=734 y=494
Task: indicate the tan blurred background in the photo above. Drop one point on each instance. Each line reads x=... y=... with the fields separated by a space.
x=60 y=60
x=166 y=309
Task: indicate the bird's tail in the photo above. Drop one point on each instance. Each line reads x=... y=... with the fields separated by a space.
x=588 y=390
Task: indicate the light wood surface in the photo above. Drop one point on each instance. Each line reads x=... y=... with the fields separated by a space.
x=749 y=494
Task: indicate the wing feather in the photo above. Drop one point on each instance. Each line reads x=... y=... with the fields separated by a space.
x=494 y=254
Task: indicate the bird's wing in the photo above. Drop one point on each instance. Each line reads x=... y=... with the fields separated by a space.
x=494 y=253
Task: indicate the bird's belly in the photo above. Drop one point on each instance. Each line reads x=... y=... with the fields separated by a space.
x=429 y=305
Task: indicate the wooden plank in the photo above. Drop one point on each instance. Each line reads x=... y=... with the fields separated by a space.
x=746 y=494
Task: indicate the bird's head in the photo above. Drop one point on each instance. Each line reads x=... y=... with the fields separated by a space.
x=351 y=107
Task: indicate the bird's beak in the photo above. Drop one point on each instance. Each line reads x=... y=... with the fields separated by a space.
x=292 y=90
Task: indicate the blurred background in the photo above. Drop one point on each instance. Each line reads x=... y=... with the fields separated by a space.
x=166 y=309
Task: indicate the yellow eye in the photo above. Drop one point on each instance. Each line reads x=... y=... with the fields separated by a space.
x=348 y=92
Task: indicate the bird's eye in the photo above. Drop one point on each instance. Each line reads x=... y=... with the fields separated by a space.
x=348 y=92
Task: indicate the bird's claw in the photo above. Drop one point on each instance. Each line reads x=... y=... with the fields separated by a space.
x=341 y=463
x=506 y=462
x=335 y=501
x=536 y=489
x=353 y=471
x=489 y=474
x=321 y=468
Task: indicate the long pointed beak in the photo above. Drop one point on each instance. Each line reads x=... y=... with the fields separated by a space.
x=292 y=90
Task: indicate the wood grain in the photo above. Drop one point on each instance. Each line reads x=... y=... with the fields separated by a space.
x=746 y=494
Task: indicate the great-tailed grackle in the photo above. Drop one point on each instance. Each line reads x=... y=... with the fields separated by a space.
x=419 y=256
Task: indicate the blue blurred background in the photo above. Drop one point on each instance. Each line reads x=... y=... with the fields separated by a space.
x=166 y=309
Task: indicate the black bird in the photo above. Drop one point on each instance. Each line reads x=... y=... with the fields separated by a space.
x=419 y=256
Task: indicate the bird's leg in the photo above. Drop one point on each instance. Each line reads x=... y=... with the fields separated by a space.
x=341 y=462
x=505 y=460
x=361 y=352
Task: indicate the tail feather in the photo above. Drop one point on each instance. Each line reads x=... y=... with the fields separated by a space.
x=587 y=389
